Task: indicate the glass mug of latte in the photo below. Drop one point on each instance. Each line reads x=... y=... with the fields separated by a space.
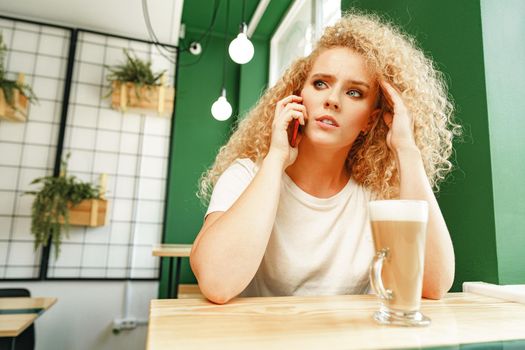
x=399 y=229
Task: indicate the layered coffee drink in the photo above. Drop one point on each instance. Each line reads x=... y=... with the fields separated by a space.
x=403 y=268
x=399 y=234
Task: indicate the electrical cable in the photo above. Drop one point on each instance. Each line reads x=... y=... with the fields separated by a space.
x=160 y=47
x=243 y=10
x=145 y=12
x=225 y=42
x=206 y=35
x=216 y=5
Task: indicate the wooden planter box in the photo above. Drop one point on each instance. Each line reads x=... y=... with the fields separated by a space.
x=151 y=98
x=89 y=212
x=18 y=112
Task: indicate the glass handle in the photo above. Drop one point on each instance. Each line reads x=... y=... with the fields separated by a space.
x=375 y=275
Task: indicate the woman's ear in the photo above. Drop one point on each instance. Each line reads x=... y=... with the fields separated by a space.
x=371 y=120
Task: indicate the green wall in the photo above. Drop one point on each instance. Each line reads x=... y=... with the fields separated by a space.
x=504 y=52
x=197 y=136
x=450 y=31
x=254 y=74
x=482 y=225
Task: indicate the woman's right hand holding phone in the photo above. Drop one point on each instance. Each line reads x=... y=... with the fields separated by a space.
x=286 y=111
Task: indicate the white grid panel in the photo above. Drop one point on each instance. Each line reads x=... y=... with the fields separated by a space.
x=132 y=149
x=27 y=150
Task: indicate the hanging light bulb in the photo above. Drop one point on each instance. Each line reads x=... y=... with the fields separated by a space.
x=221 y=109
x=241 y=48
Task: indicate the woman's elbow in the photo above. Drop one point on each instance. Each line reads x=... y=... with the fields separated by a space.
x=435 y=294
x=212 y=288
x=217 y=298
x=436 y=288
x=214 y=291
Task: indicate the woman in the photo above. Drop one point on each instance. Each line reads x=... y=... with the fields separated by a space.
x=375 y=123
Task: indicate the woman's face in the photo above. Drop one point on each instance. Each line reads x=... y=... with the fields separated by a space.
x=339 y=94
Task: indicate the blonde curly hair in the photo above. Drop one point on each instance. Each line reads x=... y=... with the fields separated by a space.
x=396 y=59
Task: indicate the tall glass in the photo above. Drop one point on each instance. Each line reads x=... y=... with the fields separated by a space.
x=396 y=274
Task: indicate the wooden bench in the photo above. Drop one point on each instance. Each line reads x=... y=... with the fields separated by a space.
x=172 y=251
x=189 y=291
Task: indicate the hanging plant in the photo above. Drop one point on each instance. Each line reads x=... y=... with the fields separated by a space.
x=133 y=84
x=15 y=96
x=56 y=204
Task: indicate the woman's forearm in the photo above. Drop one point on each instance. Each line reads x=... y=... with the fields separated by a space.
x=227 y=253
x=439 y=252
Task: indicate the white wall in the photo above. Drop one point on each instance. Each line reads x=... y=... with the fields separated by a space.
x=83 y=316
x=123 y=17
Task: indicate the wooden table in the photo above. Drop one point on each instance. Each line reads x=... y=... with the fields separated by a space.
x=173 y=251
x=17 y=314
x=331 y=322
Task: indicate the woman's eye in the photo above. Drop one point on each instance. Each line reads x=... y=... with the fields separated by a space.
x=354 y=93
x=319 y=84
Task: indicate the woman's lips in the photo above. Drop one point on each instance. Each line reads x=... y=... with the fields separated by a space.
x=326 y=122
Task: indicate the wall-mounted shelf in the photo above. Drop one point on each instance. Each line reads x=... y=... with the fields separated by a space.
x=89 y=212
x=126 y=97
x=18 y=111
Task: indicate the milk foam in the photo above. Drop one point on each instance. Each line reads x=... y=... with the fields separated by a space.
x=398 y=210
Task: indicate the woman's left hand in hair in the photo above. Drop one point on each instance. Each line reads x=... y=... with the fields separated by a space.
x=399 y=121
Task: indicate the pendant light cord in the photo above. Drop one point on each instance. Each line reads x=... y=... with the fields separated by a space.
x=225 y=42
x=243 y=11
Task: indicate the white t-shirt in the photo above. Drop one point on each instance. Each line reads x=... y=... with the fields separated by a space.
x=318 y=246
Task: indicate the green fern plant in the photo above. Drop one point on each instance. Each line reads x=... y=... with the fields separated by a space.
x=9 y=86
x=52 y=202
x=133 y=70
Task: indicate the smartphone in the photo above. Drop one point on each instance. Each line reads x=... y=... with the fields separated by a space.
x=295 y=132
x=294 y=128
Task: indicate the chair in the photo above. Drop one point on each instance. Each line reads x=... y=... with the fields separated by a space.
x=26 y=340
